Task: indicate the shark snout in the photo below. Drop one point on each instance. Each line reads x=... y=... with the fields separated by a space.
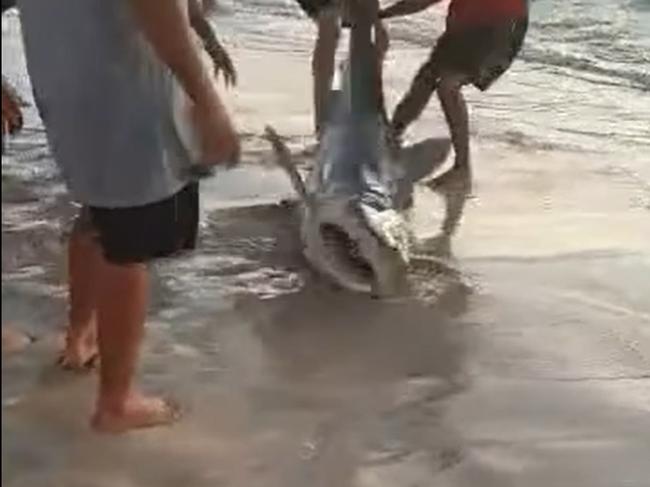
x=359 y=258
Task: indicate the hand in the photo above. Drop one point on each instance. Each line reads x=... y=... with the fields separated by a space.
x=222 y=61
x=219 y=140
x=12 y=116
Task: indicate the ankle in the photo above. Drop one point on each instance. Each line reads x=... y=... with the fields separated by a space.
x=112 y=404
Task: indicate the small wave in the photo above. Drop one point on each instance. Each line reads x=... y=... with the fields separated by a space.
x=637 y=78
x=277 y=8
x=525 y=142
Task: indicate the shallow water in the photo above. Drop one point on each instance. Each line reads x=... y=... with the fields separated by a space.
x=530 y=365
x=582 y=61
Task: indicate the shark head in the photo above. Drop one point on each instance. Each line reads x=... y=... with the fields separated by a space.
x=355 y=228
x=360 y=248
x=355 y=223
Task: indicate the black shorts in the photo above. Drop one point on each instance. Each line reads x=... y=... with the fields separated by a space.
x=143 y=233
x=482 y=53
x=313 y=7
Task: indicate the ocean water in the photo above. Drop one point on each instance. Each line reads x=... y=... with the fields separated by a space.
x=581 y=82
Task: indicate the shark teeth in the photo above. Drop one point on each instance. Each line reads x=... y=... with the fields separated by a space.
x=389 y=226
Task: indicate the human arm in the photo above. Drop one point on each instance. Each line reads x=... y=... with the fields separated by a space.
x=220 y=57
x=405 y=7
x=166 y=25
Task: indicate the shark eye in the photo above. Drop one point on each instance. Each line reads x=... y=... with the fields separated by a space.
x=343 y=250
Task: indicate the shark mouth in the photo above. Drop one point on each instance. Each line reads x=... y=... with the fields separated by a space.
x=345 y=255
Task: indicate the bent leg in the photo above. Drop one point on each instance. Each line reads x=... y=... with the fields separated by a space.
x=413 y=102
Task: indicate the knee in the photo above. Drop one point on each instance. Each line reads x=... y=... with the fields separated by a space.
x=428 y=75
x=450 y=84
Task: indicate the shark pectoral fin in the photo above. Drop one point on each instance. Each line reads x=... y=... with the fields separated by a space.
x=284 y=160
x=421 y=159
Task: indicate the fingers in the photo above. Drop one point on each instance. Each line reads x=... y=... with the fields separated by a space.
x=224 y=62
x=227 y=76
x=12 y=116
x=230 y=71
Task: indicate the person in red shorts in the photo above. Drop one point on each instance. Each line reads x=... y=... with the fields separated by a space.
x=481 y=40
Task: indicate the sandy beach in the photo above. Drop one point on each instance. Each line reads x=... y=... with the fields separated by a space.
x=530 y=366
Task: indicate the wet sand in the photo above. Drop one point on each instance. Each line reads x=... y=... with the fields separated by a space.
x=530 y=367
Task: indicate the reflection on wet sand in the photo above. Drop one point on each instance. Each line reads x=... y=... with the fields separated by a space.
x=378 y=372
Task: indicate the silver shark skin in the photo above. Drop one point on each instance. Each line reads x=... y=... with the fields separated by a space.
x=354 y=204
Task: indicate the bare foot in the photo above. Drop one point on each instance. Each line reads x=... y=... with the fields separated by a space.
x=138 y=412
x=457 y=179
x=80 y=351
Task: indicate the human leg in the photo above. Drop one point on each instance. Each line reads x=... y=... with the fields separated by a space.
x=416 y=98
x=84 y=260
x=476 y=56
x=327 y=22
x=455 y=110
x=458 y=178
x=130 y=238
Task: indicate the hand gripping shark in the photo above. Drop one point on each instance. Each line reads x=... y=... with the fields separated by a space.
x=354 y=204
